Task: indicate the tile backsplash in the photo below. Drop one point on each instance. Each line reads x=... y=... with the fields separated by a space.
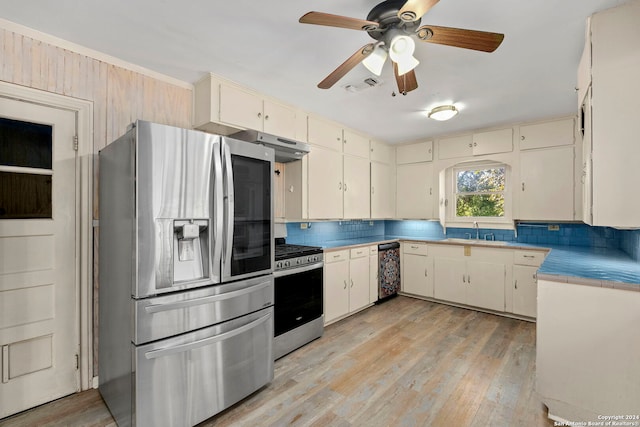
x=570 y=234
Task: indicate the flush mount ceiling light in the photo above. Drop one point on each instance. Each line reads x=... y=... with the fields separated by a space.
x=443 y=112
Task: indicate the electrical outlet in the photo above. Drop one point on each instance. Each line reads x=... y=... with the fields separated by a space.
x=304 y=226
x=370 y=222
x=553 y=228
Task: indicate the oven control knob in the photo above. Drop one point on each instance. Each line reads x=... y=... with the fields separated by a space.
x=309 y=259
x=279 y=264
x=299 y=261
x=286 y=264
x=315 y=258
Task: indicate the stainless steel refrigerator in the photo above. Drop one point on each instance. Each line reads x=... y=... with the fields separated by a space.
x=186 y=274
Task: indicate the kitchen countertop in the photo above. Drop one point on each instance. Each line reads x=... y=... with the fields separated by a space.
x=601 y=267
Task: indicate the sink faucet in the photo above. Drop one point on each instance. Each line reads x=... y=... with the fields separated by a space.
x=475 y=225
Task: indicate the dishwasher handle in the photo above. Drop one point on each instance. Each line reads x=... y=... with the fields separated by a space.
x=387 y=246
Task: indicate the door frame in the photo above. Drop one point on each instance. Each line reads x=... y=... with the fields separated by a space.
x=83 y=110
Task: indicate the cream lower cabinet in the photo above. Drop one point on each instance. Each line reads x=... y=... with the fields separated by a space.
x=476 y=279
x=346 y=282
x=417 y=269
x=525 y=290
x=373 y=273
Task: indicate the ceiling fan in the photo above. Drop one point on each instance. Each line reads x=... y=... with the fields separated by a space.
x=395 y=24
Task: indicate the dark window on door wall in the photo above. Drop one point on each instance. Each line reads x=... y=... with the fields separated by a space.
x=25 y=169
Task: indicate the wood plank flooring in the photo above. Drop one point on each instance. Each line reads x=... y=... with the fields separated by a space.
x=406 y=362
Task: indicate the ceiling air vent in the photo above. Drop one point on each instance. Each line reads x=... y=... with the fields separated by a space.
x=367 y=83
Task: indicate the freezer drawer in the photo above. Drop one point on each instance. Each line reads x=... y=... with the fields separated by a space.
x=184 y=380
x=169 y=315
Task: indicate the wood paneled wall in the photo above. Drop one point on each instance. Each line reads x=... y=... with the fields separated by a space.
x=120 y=96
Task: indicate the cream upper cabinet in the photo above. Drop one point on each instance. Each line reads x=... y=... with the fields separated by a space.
x=547 y=134
x=584 y=67
x=414 y=153
x=355 y=144
x=546 y=188
x=356 y=188
x=492 y=142
x=382 y=194
x=614 y=112
x=325 y=184
x=380 y=152
x=301 y=127
x=279 y=119
x=415 y=192
x=324 y=133
x=417 y=269
x=457 y=146
x=222 y=107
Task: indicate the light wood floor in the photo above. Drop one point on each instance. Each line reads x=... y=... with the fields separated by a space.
x=406 y=362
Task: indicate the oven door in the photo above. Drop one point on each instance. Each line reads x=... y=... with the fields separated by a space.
x=298 y=297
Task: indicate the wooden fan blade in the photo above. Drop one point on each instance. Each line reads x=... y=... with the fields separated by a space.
x=406 y=82
x=346 y=66
x=319 y=18
x=457 y=37
x=415 y=9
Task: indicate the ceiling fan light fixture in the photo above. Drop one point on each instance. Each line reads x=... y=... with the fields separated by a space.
x=401 y=46
x=406 y=64
x=375 y=61
x=443 y=112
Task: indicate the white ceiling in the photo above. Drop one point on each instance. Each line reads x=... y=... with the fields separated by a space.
x=261 y=45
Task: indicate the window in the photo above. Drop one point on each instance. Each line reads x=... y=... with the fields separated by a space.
x=480 y=191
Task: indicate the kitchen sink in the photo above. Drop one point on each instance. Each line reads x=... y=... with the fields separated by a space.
x=476 y=241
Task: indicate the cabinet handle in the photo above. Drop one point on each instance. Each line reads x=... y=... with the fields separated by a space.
x=431 y=191
x=529 y=256
x=523 y=186
x=352 y=283
x=345 y=285
x=345 y=186
x=475 y=144
x=336 y=256
x=516 y=284
x=429 y=150
x=464 y=279
x=522 y=138
x=338 y=139
x=259 y=115
x=373 y=190
x=425 y=272
x=345 y=141
x=339 y=186
x=470 y=145
x=414 y=247
x=469 y=279
x=266 y=117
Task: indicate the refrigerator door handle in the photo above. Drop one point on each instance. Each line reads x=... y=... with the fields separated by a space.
x=156 y=308
x=229 y=210
x=218 y=215
x=154 y=354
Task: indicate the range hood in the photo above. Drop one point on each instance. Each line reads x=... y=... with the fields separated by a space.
x=287 y=150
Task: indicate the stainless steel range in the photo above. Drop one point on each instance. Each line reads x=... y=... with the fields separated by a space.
x=298 y=310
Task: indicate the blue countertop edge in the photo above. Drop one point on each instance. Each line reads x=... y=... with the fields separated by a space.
x=603 y=267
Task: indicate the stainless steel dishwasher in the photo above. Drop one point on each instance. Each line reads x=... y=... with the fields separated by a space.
x=388 y=270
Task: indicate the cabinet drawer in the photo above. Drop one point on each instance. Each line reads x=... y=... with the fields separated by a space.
x=360 y=252
x=335 y=256
x=528 y=258
x=373 y=250
x=414 y=248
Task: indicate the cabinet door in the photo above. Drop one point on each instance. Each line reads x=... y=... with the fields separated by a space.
x=416 y=276
x=381 y=152
x=357 y=188
x=240 y=108
x=450 y=280
x=279 y=120
x=359 y=282
x=324 y=133
x=373 y=275
x=547 y=184
x=587 y=162
x=355 y=144
x=457 y=146
x=485 y=285
x=336 y=290
x=496 y=141
x=279 y=190
x=325 y=183
x=547 y=134
x=414 y=153
x=414 y=191
x=382 y=196
x=525 y=290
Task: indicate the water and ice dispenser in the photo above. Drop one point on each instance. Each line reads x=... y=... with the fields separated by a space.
x=190 y=250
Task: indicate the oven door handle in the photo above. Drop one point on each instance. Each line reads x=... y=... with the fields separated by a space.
x=154 y=354
x=156 y=308
x=303 y=269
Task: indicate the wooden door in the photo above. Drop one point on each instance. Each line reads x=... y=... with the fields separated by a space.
x=39 y=308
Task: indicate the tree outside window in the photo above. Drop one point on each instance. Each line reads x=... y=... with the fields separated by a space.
x=480 y=191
